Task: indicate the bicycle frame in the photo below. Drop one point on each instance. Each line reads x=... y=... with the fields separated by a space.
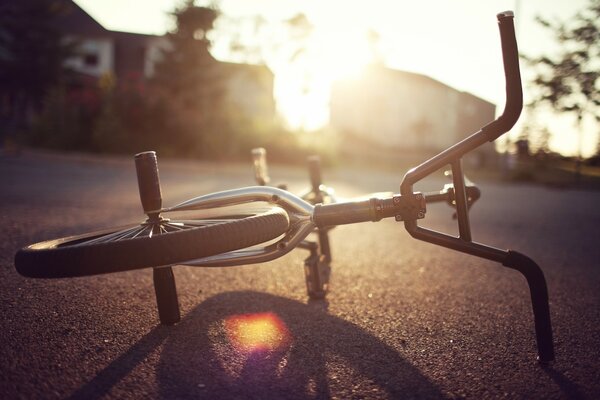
x=407 y=206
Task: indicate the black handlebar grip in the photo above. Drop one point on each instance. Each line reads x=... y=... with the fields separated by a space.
x=344 y=213
x=514 y=90
x=146 y=166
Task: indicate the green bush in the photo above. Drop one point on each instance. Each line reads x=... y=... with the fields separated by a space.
x=63 y=124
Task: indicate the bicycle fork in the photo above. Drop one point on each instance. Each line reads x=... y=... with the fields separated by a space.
x=146 y=166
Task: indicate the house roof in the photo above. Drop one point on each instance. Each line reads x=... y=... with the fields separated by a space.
x=73 y=19
x=382 y=70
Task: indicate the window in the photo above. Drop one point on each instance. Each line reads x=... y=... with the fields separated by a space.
x=90 y=60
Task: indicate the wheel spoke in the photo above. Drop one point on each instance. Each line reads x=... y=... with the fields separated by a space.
x=200 y=222
x=140 y=232
x=148 y=230
x=129 y=234
x=174 y=227
x=110 y=237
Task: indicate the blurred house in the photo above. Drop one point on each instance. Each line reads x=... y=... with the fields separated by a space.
x=408 y=112
x=99 y=51
x=132 y=57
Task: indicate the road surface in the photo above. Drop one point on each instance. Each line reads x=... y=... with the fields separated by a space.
x=404 y=319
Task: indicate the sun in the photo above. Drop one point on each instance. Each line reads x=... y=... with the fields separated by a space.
x=303 y=88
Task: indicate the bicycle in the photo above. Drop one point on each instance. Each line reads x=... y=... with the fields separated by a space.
x=238 y=236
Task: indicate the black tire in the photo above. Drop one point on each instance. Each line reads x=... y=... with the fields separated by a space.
x=83 y=255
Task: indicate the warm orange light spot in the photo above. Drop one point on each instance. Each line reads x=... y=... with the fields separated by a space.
x=255 y=332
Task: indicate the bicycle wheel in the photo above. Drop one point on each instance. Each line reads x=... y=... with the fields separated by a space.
x=145 y=245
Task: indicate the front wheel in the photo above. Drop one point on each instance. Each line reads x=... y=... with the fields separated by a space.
x=151 y=244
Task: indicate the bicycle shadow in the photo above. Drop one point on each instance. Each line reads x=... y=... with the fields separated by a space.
x=569 y=388
x=199 y=361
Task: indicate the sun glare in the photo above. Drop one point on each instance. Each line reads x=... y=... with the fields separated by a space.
x=457 y=45
x=303 y=88
x=257 y=332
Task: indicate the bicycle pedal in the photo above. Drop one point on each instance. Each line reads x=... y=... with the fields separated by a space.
x=317 y=272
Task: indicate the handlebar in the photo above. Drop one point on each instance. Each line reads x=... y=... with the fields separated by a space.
x=490 y=132
x=514 y=91
x=453 y=156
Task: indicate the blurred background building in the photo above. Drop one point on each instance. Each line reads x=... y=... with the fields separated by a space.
x=132 y=56
x=408 y=111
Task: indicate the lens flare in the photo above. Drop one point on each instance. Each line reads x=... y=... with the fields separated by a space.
x=257 y=332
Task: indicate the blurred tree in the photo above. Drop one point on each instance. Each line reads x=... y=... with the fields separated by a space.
x=190 y=78
x=62 y=123
x=31 y=58
x=569 y=82
x=282 y=45
x=248 y=39
x=254 y=39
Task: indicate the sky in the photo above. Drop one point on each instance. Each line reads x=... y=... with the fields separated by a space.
x=455 y=42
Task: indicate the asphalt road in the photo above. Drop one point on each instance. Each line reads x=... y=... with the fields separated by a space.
x=404 y=319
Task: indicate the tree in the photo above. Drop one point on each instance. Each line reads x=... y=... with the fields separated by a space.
x=569 y=81
x=31 y=58
x=283 y=45
x=190 y=78
x=256 y=40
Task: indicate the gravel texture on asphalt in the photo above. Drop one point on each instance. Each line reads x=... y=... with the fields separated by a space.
x=404 y=319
